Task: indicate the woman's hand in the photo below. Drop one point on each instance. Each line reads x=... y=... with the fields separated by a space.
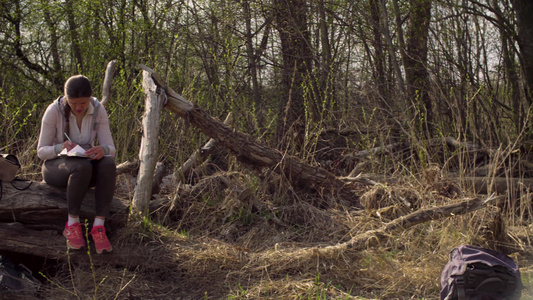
x=95 y=152
x=69 y=145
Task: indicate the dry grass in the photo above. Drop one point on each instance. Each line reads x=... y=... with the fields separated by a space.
x=232 y=236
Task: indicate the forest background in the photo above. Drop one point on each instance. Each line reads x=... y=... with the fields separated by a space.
x=322 y=80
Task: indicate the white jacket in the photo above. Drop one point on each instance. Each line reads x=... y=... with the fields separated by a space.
x=51 y=137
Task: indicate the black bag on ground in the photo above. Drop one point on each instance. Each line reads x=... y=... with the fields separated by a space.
x=16 y=278
x=478 y=273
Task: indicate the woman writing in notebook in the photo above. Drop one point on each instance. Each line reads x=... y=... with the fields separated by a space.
x=78 y=119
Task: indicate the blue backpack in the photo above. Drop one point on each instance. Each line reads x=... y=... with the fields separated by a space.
x=474 y=273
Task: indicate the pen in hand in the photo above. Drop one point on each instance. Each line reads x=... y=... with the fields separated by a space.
x=67 y=137
x=70 y=144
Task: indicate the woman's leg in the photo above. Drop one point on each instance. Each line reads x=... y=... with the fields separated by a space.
x=104 y=180
x=72 y=173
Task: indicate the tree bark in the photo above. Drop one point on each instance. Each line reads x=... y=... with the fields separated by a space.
x=379 y=53
x=45 y=207
x=108 y=79
x=31 y=220
x=252 y=62
x=524 y=11
x=149 y=151
x=416 y=63
x=392 y=53
x=291 y=23
x=74 y=36
x=51 y=245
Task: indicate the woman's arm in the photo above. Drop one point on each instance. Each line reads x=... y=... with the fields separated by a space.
x=105 y=139
x=48 y=148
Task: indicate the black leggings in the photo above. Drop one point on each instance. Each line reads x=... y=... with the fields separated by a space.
x=78 y=175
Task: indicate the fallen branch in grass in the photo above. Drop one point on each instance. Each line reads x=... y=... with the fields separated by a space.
x=128 y=167
x=439 y=212
x=374 y=237
x=198 y=156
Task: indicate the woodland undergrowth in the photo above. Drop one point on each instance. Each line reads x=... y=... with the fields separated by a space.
x=230 y=231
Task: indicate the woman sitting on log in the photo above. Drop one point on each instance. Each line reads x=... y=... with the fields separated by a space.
x=72 y=121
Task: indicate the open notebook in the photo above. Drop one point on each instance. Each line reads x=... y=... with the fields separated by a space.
x=77 y=151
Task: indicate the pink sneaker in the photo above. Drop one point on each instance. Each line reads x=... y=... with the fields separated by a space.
x=101 y=242
x=74 y=236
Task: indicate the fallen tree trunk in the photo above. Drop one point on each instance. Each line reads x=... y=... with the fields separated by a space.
x=128 y=167
x=41 y=243
x=404 y=145
x=31 y=220
x=485 y=185
x=246 y=148
x=45 y=207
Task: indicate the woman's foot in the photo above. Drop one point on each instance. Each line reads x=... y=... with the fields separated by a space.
x=101 y=242
x=74 y=236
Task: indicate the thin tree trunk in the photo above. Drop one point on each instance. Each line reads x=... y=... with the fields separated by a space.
x=74 y=36
x=399 y=29
x=252 y=64
x=512 y=80
x=416 y=64
x=326 y=87
x=54 y=39
x=379 y=51
x=392 y=52
x=291 y=22
x=524 y=11
x=56 y=61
